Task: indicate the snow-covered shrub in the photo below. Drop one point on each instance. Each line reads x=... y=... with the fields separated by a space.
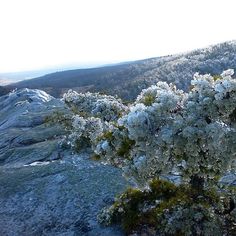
x=166 y=131
x=114 y=146
x=107 y=108
x=85 y=131
x=94 y=115
x=193 y=134
x=150 y=127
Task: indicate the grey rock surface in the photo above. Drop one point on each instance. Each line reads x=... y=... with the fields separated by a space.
x=57 y=198
x=45 y=190
x=25 y=136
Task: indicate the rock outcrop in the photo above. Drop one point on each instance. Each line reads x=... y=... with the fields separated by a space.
x=45 y=190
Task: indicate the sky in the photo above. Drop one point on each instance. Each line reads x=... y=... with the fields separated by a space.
x=38 y=34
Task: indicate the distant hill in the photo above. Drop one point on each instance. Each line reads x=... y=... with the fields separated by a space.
x=128 y=79
x=15 y=77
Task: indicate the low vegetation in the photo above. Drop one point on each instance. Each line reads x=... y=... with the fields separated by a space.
x=166 y=131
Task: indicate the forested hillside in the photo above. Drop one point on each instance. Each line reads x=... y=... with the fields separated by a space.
x=128 y=79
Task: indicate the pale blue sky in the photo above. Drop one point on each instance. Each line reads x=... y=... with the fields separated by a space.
x=37 y=34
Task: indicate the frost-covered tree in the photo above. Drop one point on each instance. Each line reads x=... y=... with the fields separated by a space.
x=192 y=133
x=167 y=131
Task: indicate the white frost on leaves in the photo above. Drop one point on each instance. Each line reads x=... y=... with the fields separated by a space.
x=164 y=128
x=193 y=127
x=108 y=108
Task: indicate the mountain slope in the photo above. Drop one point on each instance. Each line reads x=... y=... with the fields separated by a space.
x=127 y=80
x=45 y=189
